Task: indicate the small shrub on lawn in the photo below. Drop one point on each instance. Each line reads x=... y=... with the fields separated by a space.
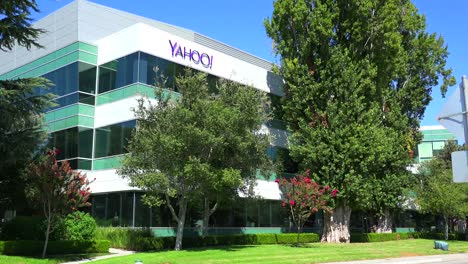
x=79 y=226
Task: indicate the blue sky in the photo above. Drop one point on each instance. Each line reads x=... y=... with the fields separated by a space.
x=240 y=24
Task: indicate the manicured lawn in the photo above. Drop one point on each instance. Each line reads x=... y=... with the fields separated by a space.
x=53 y=260
x=309 y=253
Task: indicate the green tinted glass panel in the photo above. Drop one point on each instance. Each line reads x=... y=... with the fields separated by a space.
x=107 y=163
x=47 y=60
x=75 y=109
x=84 y=164
x=425 y=149
x=112 y=140
x=438 y=145
x=85 y=142
x=125 y=92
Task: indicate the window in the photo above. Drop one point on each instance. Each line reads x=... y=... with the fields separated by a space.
x=118 y=73
x=112 y=140
x=72 y=143
x=87 y=78
x=166 y=72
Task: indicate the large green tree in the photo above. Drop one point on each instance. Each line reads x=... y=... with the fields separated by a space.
x=358 y=76
x=198 y=147
x=435 y=190
x=21 y=122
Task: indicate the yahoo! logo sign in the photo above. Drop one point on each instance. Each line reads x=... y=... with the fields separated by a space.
x=193 y=55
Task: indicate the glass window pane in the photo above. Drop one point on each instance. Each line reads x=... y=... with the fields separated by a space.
x=84 y=164
x=87 y=77
x=438 y=145
x=264 y=213
x=113 y=209
x=66 y=141
x=127 y=209
x=118 y=73
x=66 y=100
x=112 y=140
x=98 y=209
x=251 y=213
x=161 y=216
x=65 y=80
x=86 y=99
x=85 y=145
x=166 y=70
x=425 y=149
x=142 y=212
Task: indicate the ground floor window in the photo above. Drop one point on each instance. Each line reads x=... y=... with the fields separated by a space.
x=127 y=209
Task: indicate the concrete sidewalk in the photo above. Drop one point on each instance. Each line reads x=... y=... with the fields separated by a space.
x=449 y=259
x=115 y=252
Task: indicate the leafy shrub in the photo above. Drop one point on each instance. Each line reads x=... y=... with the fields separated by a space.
x=267 y=238
x=24 y=228
x=79 y=226
x=438 y=236
x=304 y=238
x=143 y=240
x=34 y=247
x=377 y=237
x=128 y=238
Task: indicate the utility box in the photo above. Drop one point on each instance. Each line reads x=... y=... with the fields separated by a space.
x=441 y=245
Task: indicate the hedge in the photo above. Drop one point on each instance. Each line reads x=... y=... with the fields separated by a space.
x=375 y=237
x=142 y=240
x=34 y=247
x=438 y=236
x=23 y=228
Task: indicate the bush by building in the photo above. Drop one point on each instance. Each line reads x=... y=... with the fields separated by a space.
x=34 y=247
x=143 y=240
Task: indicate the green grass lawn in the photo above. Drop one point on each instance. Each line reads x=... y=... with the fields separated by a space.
x=309 y=253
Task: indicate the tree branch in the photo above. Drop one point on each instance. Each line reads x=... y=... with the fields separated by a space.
x=171 y=208
x=212 y=210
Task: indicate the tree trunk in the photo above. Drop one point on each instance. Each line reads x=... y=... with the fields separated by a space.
x=181 y=224
x=298 y=234
x=466 y=228
x=336 y=225
x=207 y=212
x=180 y=219
x=384 y=222
x=445 y=227
x=49 y=223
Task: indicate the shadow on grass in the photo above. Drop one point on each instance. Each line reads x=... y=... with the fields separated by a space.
x=75 y=257
x=300 y=245
x=231 y=248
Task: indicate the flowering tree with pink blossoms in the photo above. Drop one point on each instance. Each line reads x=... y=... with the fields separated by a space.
x=56 y=189
x=303 y=197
